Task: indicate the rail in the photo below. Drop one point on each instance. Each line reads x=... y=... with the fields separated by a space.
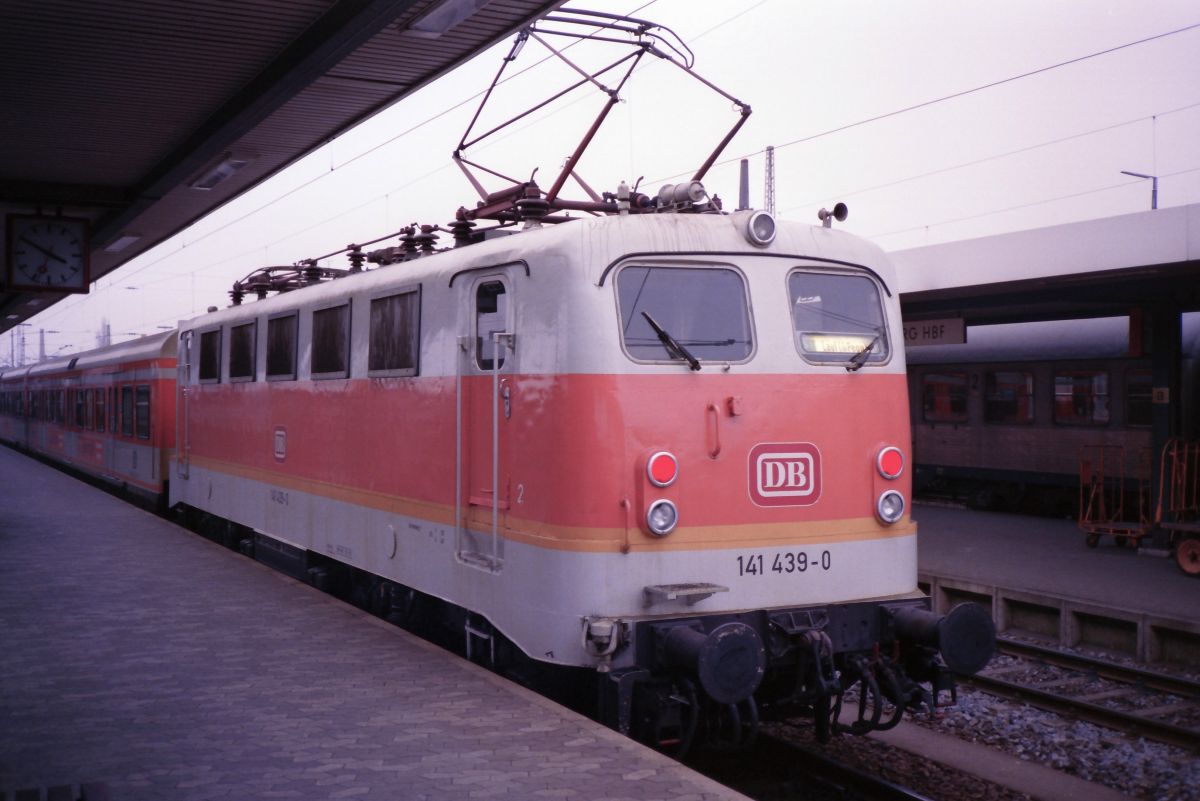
x=1054 y=696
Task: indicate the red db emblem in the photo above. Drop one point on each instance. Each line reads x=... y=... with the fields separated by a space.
x=785 y=474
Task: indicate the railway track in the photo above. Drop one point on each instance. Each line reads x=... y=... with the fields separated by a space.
x=778 y=770
x=1131 y=700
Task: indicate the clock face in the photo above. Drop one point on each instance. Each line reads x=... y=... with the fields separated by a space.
x=47 y=253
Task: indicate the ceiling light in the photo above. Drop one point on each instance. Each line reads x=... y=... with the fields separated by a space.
x=121 y=242
x=226 y=167
x=443 y=17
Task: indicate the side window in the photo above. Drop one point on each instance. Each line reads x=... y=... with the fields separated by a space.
x=944 y=397
x=1009 y=397
x=100 y=410
x=89 y=404
x=80 y=408
x=210 y=356
x=281 y=348
x=1139 y=395
x=112 y=409
x=243 y=339
x=491 y=317
x=1081 y=397
x=395 y=339
x=127 y=411
x=331 y=342
x=143 y=412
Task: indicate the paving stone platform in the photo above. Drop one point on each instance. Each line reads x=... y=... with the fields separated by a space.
x=139 y=655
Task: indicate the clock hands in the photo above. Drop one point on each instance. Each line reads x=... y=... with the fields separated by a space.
x=47 y=252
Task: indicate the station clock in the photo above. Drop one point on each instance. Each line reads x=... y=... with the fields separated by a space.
x=47 y=253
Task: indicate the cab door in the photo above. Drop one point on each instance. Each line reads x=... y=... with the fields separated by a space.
x=183 y=443
x=486 y=364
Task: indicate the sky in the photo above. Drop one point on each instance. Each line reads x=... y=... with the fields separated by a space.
x=933 y=120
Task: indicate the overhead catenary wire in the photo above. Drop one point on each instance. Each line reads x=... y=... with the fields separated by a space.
x=952 y=96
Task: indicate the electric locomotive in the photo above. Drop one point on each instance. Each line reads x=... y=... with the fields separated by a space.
x=660 y=450
x=670 y=448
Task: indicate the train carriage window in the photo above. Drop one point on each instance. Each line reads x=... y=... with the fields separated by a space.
x=112 y=409
x=837 y=318
x=1139 y=395
x=491 y=318
x=944 y=397
x=80 y=409
x=394 y=347
x=210 y=357
x=703 y=309
x=127 y=411
x=281 y=348
x=143 y=412
x=99 y=412
x=331 y=342
x=1081 y=397
x=89 y=402
x=1009 y=397
x=243 y=339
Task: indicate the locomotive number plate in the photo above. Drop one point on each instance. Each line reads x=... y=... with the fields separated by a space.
x=784 y=562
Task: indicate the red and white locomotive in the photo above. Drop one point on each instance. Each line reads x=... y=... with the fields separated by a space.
x=662 y=451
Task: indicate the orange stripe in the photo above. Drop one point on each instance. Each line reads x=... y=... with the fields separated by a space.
x=580 y=538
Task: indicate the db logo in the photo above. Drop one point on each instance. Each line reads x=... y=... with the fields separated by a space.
x=785 y=474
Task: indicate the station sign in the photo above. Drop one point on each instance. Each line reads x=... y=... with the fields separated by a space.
x=945 y=331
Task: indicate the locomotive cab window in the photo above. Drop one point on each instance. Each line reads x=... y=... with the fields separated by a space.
x=944 y=397
x=331 y=342
x=1081 y=397
x=210 y=357
x=684 y=314
x=242 y=341
x=491 y=318
x=837 y=318
x=281 y=348
x=394 y=344
x=1009 y=397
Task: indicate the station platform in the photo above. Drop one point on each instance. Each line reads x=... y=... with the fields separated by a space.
x=1040 y=578
x=141 y=657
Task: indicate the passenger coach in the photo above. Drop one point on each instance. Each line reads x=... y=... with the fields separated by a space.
x=107 y=413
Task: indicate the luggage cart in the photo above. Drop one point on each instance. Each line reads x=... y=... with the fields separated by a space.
x=1114 y=500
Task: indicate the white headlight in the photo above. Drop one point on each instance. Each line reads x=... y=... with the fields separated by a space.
x=760 y=229
x=890 y=507
x=661 y=518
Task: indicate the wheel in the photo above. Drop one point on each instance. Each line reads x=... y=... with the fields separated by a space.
x=1187 y=556
x=1092 y=540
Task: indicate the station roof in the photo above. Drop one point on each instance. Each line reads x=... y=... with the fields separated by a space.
x=117 y=112
x=1095 y=268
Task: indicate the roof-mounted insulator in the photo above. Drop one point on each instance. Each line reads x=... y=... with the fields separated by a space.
x=532 y=209
x=426 y=239
x=408 y=242
x=461 y=230
x=357 y=257
x=310 y=271
x=236 y=294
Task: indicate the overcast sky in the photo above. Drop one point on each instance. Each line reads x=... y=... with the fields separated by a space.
x=933 y=120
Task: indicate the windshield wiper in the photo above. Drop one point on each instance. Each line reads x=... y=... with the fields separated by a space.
x=671 y=344
x=859 y=359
